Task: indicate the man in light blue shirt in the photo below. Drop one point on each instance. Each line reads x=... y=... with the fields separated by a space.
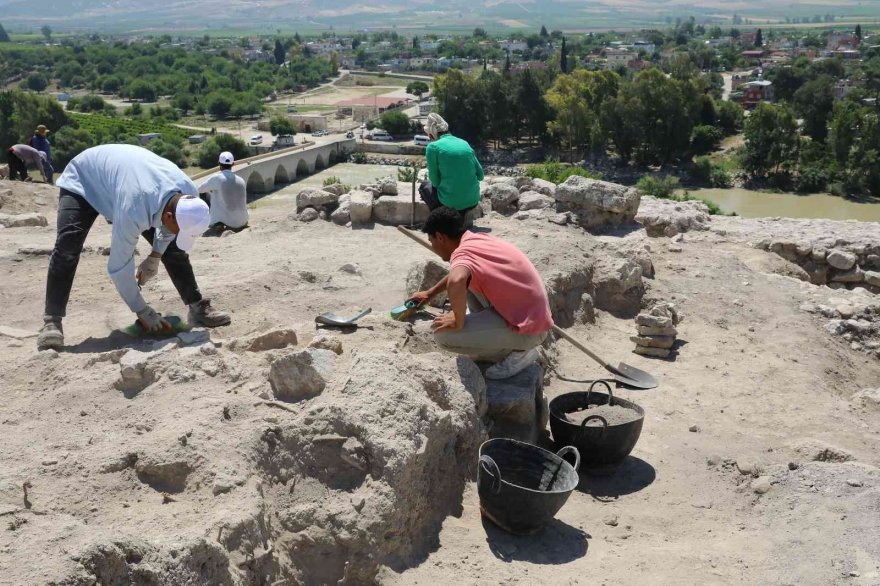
x=141 y=194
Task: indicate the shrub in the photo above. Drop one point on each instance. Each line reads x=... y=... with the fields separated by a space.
x=395 y=122
x=170 y=151
x=555 y=172
x=706 y=139
x=211 y=149
x=359 y=157
x=720 y=178
x=662 y=187
x=332 y=180
x=281 y=125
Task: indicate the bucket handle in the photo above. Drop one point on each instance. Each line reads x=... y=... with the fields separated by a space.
x=571 y=450
x=492 y=470
x=591 y=418
x=607 y=386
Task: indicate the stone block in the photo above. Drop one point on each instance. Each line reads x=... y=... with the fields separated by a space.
x=361 y=207
x=398 y=210
x=315 y=198
x=302 y=374
x=841 y=260
x=22 y=220
x=654 y=341
x=532 y=200
x=425 y=274
x=513 y=405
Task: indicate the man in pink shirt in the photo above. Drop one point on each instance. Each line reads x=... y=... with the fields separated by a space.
x=509 y=312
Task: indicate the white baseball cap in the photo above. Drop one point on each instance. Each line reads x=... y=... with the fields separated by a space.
x=193 y=217
x=226 y=158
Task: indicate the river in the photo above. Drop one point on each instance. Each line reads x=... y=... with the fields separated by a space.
x=758 y=204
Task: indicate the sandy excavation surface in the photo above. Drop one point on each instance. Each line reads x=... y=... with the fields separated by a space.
x=757 y=464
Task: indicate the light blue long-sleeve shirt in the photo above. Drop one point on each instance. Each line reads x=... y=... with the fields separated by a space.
x=130 y=186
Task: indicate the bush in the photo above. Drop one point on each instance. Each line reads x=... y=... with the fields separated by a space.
x=662 y=187
x=395 y=122
x=730 y=117
x=36 y=82
x=281 y=125
x=555 y=172
x=720 y=178
x=359 y=157
x=332 y=180
x=811 y=179
x=705 y=172
x=170 y=151
x=67 y=143
x=211 y=149
x=705 y=139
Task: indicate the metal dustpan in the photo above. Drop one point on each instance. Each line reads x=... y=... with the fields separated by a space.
x=331 y=319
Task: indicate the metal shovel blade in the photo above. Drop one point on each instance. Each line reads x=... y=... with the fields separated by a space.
x=331 y=319
x=631 y=376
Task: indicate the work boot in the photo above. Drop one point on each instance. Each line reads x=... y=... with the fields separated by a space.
x=51 y=334
x=202 y=314
x=512 y=365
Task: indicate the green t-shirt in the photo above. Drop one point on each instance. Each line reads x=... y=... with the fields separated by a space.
x=454 y=170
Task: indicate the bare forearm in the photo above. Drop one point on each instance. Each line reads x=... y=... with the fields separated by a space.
x=439 y=287
x=457 y=293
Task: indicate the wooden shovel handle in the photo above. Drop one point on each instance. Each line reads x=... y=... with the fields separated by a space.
x=416 y=237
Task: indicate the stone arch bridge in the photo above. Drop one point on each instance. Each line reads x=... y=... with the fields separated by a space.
x=263 y=173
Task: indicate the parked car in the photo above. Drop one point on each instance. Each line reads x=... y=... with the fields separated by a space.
x=256 y=139
x=379 y=134
x=421 y=140
x=291 y=109
x=319 y=133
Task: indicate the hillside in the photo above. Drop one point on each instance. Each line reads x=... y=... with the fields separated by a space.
x=186 y=15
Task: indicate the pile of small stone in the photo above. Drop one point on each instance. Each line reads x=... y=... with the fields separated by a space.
x=857 y=324
x=504 y=171
x=656 y=330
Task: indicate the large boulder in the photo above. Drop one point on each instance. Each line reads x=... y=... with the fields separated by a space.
x=22 y=220
x=315 y=198
x=664 y=217
x=387 y=185
x=618 y=286
x=532 y=200
x=335 y=188
x=502 y=195
x=342 y=215
x=598 y=203
x=544 y=186
x=361 y=207
x=302 y=374
x=378 y=465
x=398 y=209
x=425 y=274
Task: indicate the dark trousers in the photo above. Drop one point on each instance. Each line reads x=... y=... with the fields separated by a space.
x=75 y=219
x=17 y=167
x=429 y=195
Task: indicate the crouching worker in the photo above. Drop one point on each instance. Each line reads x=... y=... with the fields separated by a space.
x=509 y=313
x=21 y=156
x=227 y=196
x=141 y=194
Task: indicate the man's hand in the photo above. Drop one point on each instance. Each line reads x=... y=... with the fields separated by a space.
x=422 y=297
x=445 y=323
x=152 y=321
x=148 y=269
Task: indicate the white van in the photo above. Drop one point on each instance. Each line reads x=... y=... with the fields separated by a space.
x=379 y=134
x=256 y=139
x=421 y=140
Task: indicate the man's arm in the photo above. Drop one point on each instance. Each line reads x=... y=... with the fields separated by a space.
x=433 y=166
x=456 y=290
x=120 y=266
x=478 y=168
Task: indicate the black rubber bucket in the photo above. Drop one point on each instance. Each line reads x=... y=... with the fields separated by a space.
x=601 y=448
x=522 y=486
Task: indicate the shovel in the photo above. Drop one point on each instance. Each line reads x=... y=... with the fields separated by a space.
x=331 y=319
x=624 y=374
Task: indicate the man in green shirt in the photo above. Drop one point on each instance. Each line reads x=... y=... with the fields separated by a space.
x=453 y=169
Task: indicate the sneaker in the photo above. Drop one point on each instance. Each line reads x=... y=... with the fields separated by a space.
x=51 y=335
x=201 y=313
x=512 y=365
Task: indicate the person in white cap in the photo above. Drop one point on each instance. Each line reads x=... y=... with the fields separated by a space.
x=227 y=196
x=140 y=194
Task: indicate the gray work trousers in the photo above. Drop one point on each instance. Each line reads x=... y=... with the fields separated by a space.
x=485 y=335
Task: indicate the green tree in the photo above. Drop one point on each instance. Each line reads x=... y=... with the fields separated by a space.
x=280 y=53
x=395 y=122
x=844 y=131
x=759 y=39
x=730 y=117
x=462 y=102
x=36 y=82
x=21 y=112
x=532 y=111
x=771 y=140
x=417 y=88
x=169 y=150
x=281 y=125
x=575 y=120
x=563 y=57
x=218 y=104
x=68 y=142
x=183 y=102
x=706 y=139
x=210 y=150
x=814 y=102
x=858 y=32
x=480 y=33
x=142 y=90
x=4 y=36
x=544 y=34
x=46 y=31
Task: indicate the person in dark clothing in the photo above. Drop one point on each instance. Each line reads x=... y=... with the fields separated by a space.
x=40 y=141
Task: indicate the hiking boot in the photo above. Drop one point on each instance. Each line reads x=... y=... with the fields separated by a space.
x=512 y=365
x=51 y=335
x=201 y=313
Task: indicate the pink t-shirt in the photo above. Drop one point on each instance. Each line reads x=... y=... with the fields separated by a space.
x=508 y=279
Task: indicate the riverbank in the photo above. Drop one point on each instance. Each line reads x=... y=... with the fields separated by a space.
x=758 y=204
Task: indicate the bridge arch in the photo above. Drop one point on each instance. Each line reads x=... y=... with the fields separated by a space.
x=256 y=183
x=281 y=175
x=319 y=163
x=302 y=167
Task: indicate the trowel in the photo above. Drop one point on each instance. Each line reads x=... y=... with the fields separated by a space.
x=136 y=330
x=331 y=319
